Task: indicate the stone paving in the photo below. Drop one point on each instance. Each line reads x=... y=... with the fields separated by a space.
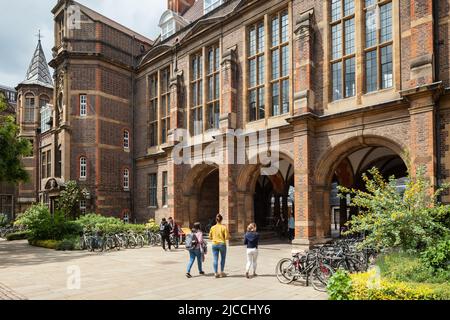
x=143 y=274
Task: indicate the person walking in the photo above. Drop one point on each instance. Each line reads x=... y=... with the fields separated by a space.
x=164 y=230
x=174 y=231
x=219 y=236
x=291 y=225
x=196 y=246
x=252 y=242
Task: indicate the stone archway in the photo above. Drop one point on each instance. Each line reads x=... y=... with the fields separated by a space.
x=201 y=194
x=263 y=199
x=344 y=165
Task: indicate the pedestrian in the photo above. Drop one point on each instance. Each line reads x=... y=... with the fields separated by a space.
x=196 y=246
x=174 y=231
x=252 y=242
x=164 y=230
x=291 y=227
x=219 y=236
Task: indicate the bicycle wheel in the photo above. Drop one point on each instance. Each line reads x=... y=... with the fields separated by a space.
x=140 y=241
x=320 y=276
x=351 y=265
x=285 y=271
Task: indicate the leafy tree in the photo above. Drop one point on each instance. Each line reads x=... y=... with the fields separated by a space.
x=69 y=199
x=411 y=221
x=12 y=148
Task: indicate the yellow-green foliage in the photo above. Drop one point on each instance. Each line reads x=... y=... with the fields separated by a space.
x=47 y=244
x=365 y=287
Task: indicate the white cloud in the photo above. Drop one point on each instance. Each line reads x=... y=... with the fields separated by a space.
x=19 y=27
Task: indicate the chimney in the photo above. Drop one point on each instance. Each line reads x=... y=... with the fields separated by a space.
x=180 y=6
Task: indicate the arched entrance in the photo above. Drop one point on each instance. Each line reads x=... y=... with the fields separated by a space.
x=267 y=200
x=202 y=194
x=348 y=172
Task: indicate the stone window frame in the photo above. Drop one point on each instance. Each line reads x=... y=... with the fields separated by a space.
x=213 y=106
x=164 y=103
x=345 y=57
x=153 y=120
x=269 y=118
x=152 y=190
x=46 y=164
x=126 y=140
x=83 y=106
x=362 y=97
x=379 y=44
x=29 y=108
x=165 y=188
x=126 y=179
x=82 y=167
x=197 y=72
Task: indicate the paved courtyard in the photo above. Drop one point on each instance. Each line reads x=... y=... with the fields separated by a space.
x=150 y=273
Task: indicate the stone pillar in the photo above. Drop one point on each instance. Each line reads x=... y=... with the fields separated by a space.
x=228 y=119
x=304 y=64
x=304 y=198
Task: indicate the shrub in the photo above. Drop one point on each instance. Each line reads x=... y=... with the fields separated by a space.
x=4 y=220
x=38 y=221
x=152 y=226
x=339 y=286
x=21 y=235
x=411 y=221
x=47 y=244
x=367 y=286
x=69 y=244
x=437 y=257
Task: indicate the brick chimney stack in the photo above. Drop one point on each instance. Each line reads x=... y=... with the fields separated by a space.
x=180 y=6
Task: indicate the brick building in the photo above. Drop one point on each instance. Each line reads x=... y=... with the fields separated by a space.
x=348 y=84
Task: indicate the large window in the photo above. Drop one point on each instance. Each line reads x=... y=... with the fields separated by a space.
x=83 y=168
x=29 y=108
x=165 y=188
x=280 y=63
x=46 y=164
x=46 y=115
x=213 y=83
x=378 y=45
x=256 y=68
x=270 y=46
x=165 y=104
x=197 y=94
x=153 y=190
x=211 y=5
x=343 y=49
x=153 y=112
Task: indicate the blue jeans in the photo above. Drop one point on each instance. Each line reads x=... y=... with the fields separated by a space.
x=222 y=249
x=195 y=253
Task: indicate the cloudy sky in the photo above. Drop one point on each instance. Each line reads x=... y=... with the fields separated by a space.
x=22 y=19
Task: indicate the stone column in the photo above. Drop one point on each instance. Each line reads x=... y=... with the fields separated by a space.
x=304 y=64
x=304 y=198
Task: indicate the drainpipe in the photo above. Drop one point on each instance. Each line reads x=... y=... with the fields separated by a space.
x=133 y=140
x=437 y=103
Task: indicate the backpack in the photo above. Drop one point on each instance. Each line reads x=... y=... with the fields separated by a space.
x=191 y=241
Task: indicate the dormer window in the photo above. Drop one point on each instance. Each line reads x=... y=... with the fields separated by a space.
x=170 y=23
x=210 y=5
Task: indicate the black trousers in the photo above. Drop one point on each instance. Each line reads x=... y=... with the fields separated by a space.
x=164 y=239
x=291 y=234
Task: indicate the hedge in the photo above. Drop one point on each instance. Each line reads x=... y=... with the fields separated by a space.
x=47 y=244
x=366 y=286
x=21 y=235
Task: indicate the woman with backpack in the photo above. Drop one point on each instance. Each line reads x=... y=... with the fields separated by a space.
x=252 y=242
x=195 y=245
x=164 y=230
x=219 y=235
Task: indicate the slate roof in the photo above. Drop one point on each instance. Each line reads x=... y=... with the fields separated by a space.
x=38 y=72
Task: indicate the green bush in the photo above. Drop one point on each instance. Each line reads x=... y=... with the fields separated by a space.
x=339 y=286
x=47 y=244
x=69 y=244
x=437 y=257
x=4 y=220
x=21 y=235
x=38 y=221
x=400 y=266
x=366 y=286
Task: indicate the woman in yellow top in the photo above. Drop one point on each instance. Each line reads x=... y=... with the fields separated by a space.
x=219 y=235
